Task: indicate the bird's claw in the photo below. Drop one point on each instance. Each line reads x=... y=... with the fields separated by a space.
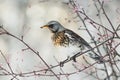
x=74 y=58
x=62 y=62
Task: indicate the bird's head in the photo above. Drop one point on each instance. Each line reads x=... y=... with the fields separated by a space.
x=54 y=26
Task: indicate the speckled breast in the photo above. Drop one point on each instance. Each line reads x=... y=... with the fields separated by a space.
x=60 y=39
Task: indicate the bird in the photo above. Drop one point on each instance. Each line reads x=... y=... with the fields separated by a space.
x=65 y=37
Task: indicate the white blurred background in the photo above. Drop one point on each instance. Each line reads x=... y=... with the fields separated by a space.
x=24 y=18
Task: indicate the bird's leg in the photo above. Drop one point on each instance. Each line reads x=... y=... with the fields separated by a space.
x=62 y=62
x=74 y=58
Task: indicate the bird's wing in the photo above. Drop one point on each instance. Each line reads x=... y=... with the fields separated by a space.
x=76 y=37
x=79 y=39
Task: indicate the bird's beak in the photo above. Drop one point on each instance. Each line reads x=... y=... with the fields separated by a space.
x=45 y=26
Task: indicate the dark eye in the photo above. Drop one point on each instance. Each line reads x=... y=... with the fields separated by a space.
x=51 y=25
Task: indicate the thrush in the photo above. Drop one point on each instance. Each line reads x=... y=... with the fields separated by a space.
x=65 y=37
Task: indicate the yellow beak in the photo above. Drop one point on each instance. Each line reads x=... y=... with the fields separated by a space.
x=45 y=26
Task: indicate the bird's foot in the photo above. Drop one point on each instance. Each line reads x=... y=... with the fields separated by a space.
x=73 y=58
x=63 y=62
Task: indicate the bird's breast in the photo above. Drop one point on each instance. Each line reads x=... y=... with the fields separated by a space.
x=60 y=39
x=65 y=40
x=66 y=43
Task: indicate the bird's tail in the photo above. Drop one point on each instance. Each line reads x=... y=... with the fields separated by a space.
x=93 y=55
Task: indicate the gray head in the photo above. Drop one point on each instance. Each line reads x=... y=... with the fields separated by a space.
x=54 y=26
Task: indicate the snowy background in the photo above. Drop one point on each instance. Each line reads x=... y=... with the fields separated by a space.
x=25 y=17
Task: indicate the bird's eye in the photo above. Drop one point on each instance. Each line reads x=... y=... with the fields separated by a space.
x=51 y=25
